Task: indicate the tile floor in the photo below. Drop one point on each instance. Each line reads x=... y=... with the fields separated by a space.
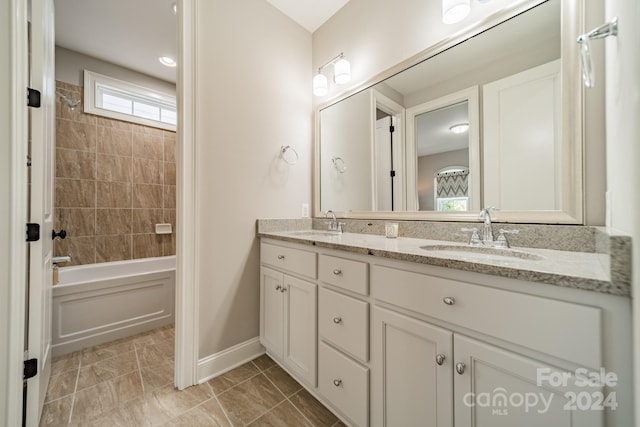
x=129 y=382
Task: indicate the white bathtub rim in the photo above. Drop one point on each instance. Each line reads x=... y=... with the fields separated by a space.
x=100 y=272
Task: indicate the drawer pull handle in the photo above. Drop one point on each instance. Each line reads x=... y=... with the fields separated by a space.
x=460 y=368
x=337 y=382
x=440 y=359
x=278 y=288
x=337 y=320
x=337 y=272
x=280 y=256
x=283 y=289
x=449 y=300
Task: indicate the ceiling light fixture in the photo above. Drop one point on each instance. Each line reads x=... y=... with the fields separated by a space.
x=341 y=75
x=459 y=128
x=167 y=61
x=454 y=11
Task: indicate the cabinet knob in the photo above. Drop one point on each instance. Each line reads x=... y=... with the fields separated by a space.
x=283 y=289
x=280 y=256
x=460 y=368
x=440 y=359
x=337 y=272
x=337 y=320
x=337 y=382
x=278 y=288
x=449 y=300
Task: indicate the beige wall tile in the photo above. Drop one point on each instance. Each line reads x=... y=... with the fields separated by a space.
x=169 y=173
x=75 y=164
x=76 y=221
x=113 y=221
x=75 y=193
x=147 y=245
x=147 y=146
x=147 y=171
x=145 y=220
x=81 y=249
x=169 y=196
x=68 y=86
x=147 y=196
x=169 y=149
x=114 y=124
x=169 y=244
x=113 y=194
x=148 y=130
x=113 y=140
x=169 y=217
x=75 y=135
x=113 y=248
x=113 y=168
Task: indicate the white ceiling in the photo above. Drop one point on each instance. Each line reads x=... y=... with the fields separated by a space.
x=311 y=14
x=134 y=34
x=433 y=131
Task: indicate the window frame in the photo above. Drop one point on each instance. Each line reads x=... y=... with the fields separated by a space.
x=92 y=90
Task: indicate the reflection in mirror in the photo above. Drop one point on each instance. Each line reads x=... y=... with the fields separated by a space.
x=515 y=71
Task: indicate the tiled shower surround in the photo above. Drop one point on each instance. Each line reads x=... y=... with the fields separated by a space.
x=114 y=181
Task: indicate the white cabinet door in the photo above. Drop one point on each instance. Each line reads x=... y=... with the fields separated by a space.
x=271 y=310
x=300 y=320
x=498 y=388
x=412 y=379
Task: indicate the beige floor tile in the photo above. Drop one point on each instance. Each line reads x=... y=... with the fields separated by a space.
x=151 y=355
x=95 y=401
x=139 y=412
x=56 y=413
x=250 y=399
x=106 y=351
x=104 y=370
x=233 y=377
x=157 y=375
x=283 y=415
x=312 y=409
x=166 y=346
x=339 y=424
x=283 y=381
x=264 y=362
x=174 y=402
x=209 y=413
x=61 y=385
x=65 y=363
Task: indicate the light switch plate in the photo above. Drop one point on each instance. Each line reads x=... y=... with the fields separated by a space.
x=305 y=210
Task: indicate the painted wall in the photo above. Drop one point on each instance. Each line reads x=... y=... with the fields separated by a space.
x=70 y=65
x=428 y=166
x=253 y=90
x=376 y=35
x=623 y=146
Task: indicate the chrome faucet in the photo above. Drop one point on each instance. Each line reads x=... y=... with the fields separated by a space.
x=487 y=232
x=334 y=225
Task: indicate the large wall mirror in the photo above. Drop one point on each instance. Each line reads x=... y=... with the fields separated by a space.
x=492 y=118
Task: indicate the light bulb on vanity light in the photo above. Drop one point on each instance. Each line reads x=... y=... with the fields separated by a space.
x=320 y=85
x=342 y=71
x=454 y=11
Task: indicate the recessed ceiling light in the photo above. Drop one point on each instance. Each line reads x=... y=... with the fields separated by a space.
x=167 y=62
x=459 y=128
x=174 y=8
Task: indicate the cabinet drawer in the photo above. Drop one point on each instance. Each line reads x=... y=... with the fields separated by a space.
x=562 y=329
x=344 y=321
x=344 y=383
x=345 y=273
x=294 y=260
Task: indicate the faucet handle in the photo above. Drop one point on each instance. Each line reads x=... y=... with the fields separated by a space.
x=501 y=241
x=475 y=237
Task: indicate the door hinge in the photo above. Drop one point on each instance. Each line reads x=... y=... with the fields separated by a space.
x=30 y=368
x=392 y=174
x=33 y=232
x=392 y=128
x=33 y=98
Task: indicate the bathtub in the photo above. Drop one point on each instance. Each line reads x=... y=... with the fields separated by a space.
x=98 y=303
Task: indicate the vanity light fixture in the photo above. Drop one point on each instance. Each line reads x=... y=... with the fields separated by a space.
x=459 y=128
x=167 y=61
x=341 y=75
x=174 y=8
x=454 y=11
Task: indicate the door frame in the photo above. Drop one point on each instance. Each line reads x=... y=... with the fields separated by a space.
x=16 y=132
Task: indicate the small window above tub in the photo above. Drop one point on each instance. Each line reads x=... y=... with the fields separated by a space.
x=117 y=99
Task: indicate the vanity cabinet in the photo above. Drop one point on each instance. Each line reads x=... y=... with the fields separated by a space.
x=288 y=314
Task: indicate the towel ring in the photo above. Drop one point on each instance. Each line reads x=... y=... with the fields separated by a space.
x=289 y=159
x=339 y=164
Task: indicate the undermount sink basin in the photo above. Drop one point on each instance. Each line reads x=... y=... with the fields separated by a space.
x=316 y=233
x=484 y=251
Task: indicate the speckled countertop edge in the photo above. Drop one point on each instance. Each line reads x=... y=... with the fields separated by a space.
x=589 y=269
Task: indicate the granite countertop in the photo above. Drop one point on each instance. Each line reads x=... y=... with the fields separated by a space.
x=580 y=270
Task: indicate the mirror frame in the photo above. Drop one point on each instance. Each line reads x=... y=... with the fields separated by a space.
x=573 y=24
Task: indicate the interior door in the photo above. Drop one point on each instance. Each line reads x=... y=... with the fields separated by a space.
x=42 y=130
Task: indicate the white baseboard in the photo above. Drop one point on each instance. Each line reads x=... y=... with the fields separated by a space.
x=232 y=357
